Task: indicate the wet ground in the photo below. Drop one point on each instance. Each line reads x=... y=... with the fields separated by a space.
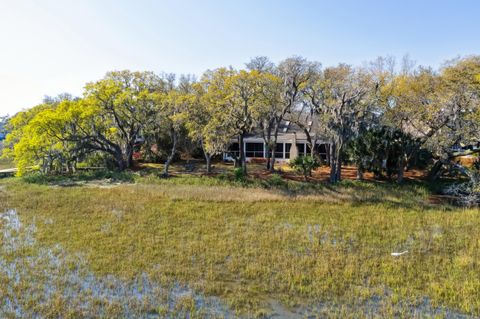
x=38 y=281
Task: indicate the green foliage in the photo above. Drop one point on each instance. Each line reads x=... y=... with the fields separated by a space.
x=239 y=174
x=57 y=135
x=276 y=180
x=376 y=146
x=127 y=112
x=305 y=165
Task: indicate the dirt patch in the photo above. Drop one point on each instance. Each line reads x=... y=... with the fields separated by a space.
x=323 y=174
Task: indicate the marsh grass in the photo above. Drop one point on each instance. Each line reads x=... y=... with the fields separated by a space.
x=79 y=178
x=293 y=250
x=45 y=281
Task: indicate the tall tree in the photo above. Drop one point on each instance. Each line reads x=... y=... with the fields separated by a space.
x=172 y=108
x=295 y=73
x=202 y=125
x=340 y=95
x=235 y=97
x=270 y=103
x=440 y=108
x=126 y=101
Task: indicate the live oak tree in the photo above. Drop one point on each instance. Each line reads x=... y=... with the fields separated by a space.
x=107 y=120
x=270 y=104
x=440 y=109
x=246 y=89
x=308 y=118
x=406 y=110
x=173 y=105
x=202 y=124
x=125 y=101
x=34 y=138
x=295 y=73
x=397 y=144
x=340 y=94
x=234 y=98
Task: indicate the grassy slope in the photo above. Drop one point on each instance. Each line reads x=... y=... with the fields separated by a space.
x=251 y=246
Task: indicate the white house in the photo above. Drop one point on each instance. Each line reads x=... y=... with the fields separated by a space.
x=291 y=142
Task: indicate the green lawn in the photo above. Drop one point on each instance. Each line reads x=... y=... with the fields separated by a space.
x=211 y=249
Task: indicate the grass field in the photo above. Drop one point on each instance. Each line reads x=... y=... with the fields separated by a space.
x=209 y=247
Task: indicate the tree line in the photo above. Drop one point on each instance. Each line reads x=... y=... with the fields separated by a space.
x=379 y=115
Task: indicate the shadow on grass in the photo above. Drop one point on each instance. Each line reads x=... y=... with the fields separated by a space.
x=67 y=180
x=408 y=195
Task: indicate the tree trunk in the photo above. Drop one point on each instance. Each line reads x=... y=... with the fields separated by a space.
x=208 y=159
x=336 y=163
x=129 y=155
x=339 y=167
x=236 y=159
x=328 y=154
x=274 y=145
x=172 y=153
x=267 y=139
x=333 y=164
x=120 y=160
x=401 y=169
x=243 y=161
x=267 y=152
x=359 y=173
x=436 y=170
x=272 y=158
x=311 y=143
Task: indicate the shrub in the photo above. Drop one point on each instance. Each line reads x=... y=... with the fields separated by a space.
x=468 y=192
x=239 y=175
x=276 y=180
x=305 y=165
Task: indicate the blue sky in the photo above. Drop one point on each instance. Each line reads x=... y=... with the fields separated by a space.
x=49 y=47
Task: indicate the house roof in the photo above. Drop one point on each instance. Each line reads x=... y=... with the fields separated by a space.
x=288 y=128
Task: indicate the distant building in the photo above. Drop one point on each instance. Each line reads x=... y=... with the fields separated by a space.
x=291 y=142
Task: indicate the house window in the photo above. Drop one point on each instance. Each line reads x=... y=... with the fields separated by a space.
x=254 y=149
x=322 y=151
x=287 y=150
x=301 y=149
x=233 y=150
x=322 y=148
x=279 y=150
x=308 y=150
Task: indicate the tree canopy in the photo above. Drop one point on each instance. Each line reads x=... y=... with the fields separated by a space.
x=369 y=114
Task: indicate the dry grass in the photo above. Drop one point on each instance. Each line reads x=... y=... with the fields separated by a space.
x=324 y=252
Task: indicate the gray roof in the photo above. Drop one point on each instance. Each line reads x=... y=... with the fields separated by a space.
x=288 y=128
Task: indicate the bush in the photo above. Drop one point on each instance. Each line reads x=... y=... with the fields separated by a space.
x=468 y=192
x=276 y=180
x=239 y=175
x=305 y=165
